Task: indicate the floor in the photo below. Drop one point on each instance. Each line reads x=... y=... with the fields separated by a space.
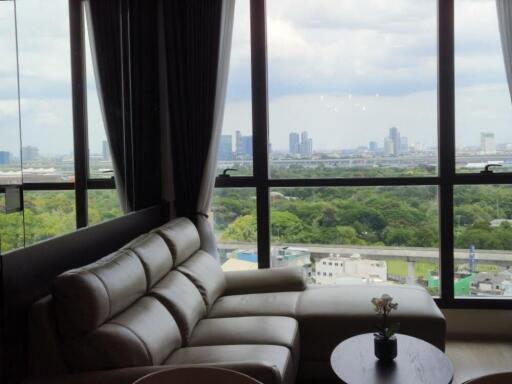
x=474 y=358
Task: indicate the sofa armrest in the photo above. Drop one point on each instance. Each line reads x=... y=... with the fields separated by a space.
x=265 y=280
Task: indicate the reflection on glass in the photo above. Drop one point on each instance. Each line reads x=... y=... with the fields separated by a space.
x=352 y=88
x=48 y=214
x=45 y=90
x=10 y=164
x=11 y=228
x=482 y=97
x=103 y=205
x=233 y=215
x=483 y=240
x=351 y=235
x=235 y=147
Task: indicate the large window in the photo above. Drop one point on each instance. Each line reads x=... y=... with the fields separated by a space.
x=44 y=159
x=369 y=139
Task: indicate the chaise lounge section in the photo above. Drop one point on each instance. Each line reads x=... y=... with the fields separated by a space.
x=161 y=301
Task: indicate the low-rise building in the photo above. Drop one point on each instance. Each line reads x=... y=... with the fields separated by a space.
x=338 y=270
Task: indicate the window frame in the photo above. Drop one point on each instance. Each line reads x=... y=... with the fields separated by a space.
x=82 y=182
x=445 y=180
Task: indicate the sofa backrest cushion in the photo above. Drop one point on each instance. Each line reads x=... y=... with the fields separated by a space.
x=145 y=334
x=182 y=299
x=182 y=238
x=154 y=255
x=86 y=297
x=206 y=274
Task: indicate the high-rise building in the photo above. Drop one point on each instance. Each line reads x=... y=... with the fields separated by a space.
x=293 y=143
x=238 y=142
x=404 y=144
x=106 y=151
x=394 y=136
x=246 y=146
x=373 y=146
x=487 y=143
x=30 y=153
x=388 y=147
x=226 y=147
x=5 y=157
x=306 y=145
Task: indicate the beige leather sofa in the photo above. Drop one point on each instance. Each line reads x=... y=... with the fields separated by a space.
x=161 y=301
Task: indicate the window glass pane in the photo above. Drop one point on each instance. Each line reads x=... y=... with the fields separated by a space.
x=352 y=235
x=233 y=215
x=352 y=88
x=48 y=214
x=483 y=106
x=10 y=164
x=100 y=160
x=11 y=228
x=483 y=240
x=103 y=205
x=235 y=147
x=45 y=86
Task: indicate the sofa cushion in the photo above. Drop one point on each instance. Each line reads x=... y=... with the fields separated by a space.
x=206 y=274
x=271 y=330
x=180 y=296
x=329 y=315
x=86 y=297
x=144 y=334
x=154 y=255
x=257 y=304
x=181 y=237
x=270 y=364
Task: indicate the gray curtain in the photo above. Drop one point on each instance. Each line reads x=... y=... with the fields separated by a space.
x=205 y=228
x=504 y=8
x=104 y=26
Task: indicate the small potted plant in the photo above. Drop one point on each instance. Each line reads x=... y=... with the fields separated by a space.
x=385 y=339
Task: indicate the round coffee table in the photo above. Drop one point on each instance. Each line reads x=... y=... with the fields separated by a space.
x=417 y=362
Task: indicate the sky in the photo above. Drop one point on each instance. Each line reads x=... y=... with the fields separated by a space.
x=343 y=70
x=45 y=80
x=348 y=70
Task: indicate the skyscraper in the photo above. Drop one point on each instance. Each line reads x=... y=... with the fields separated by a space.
x=226 y=147
x=306 y=145
x=404 y=144
x=5 y=157
x=106 y=151
x=245 y=146
x=373 y=146
x=293 y=143
x=487 y=143
x=388 y=147
x=30 y=153
x=394 y=136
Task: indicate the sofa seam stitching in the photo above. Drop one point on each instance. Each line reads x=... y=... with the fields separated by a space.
x=148 y=353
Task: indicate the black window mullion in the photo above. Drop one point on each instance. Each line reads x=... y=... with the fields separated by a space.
x=79 y=100
x=260 y=128
x=446 y=143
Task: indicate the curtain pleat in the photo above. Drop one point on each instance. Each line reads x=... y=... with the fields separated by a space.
x=206 y=233
x=192 y=38
x=104 y=26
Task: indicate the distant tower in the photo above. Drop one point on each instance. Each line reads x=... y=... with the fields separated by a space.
x=404 y=144
x=373 y=146
x=487 y=143
x=106 y=151
x=5 y=157
x=238 y=143
x=226 y=147
x=388 y=147
x=30 y=153
x=472 y=258
x=306 y=144
x=293 y=143
x=394 y=136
